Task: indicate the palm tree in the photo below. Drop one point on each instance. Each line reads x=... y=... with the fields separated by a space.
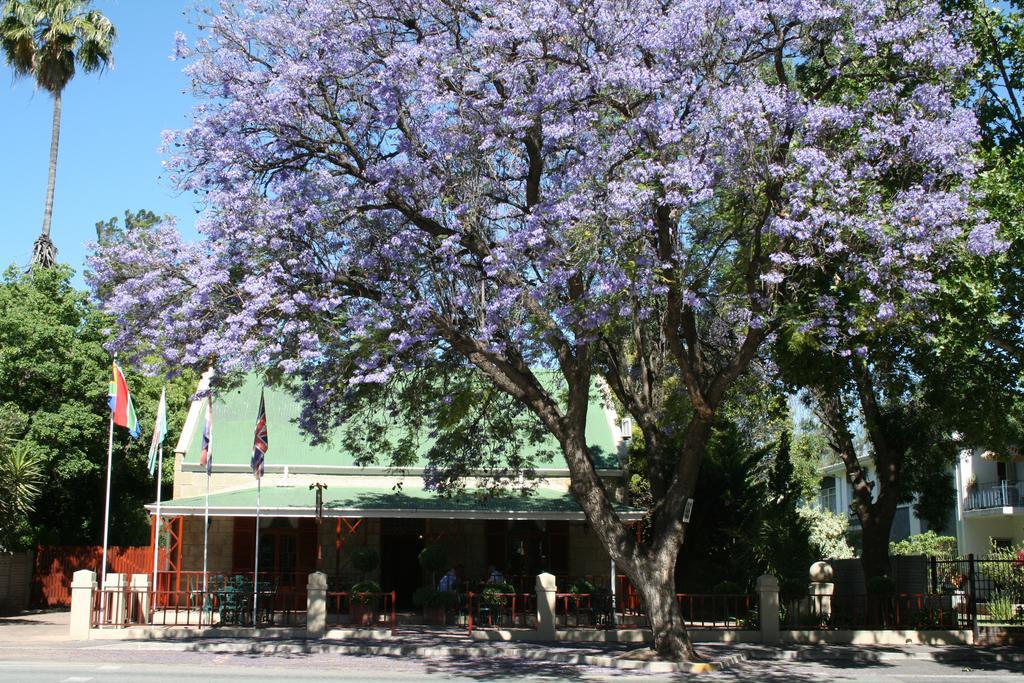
x=46 y=39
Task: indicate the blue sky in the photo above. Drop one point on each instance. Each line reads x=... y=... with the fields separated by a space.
x=109 y=157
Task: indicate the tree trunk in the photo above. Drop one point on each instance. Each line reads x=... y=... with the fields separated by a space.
x=875 y=551
x=44 y=253
x=656 y=584
x=874 y=557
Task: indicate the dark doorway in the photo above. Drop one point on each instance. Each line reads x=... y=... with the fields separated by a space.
x=401 y=541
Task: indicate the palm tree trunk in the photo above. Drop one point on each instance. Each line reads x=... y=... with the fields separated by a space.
x=44 y=253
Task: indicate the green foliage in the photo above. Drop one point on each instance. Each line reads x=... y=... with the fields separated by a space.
x=429 y=597
x=47 y=39
x=1001 y=608
x=808 y=453
x=496 y=594
x=54 y=374
x=929 y=543
x=364 y=558
x=364 y=592
x=827 y=533
x=1005 y=566
x=21 y=479
x=745 y=520
x=582 y=587
x=434 y=558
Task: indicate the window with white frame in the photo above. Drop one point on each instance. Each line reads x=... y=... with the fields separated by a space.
x=827 y=494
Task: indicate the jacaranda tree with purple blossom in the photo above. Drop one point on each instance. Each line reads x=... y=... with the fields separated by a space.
x=630 y=191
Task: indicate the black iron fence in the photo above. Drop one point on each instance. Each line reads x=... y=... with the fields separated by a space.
x=864 y=611
x=986 y=591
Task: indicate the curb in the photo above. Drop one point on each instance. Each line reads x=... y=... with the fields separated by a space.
x=619 y=661
x=868 y=656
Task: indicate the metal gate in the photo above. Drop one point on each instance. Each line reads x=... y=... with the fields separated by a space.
x=984 y=592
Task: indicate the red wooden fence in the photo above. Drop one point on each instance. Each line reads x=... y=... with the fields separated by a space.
x=55 y=565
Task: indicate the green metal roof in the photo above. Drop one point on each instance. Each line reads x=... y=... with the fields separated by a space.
x=367 y=501
x=235 y=419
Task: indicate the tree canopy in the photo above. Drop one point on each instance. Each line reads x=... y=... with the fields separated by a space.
x=54 y=376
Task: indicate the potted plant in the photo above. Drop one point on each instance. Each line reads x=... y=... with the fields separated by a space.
x=362 y=603
x=435 y=604
x=363 y=596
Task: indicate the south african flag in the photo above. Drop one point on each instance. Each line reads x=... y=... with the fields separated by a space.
x=121 y=404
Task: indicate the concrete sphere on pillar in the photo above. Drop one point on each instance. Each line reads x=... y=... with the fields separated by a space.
x=821 y=572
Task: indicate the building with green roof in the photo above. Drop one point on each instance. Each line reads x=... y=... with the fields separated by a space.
x=380 y=507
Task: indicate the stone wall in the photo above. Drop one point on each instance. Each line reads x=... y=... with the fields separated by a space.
x=587 y=556
x=220 y=542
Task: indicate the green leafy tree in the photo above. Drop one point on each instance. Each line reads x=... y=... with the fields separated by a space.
x=47 y=40
x=55 y=371
x=827 y=533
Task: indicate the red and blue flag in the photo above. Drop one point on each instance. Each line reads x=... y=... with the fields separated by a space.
x=260 y=443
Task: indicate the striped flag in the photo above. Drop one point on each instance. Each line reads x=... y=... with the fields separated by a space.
x=120 y=401
x=159 y=430
x=206 y=454
x=260 y=443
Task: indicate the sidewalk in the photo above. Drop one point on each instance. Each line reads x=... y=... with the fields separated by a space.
x=50 y=630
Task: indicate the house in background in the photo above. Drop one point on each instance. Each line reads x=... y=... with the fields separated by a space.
x=989 y=501
x=378 y=507
x=836 y=495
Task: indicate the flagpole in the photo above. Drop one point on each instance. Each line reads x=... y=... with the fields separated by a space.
x=106 y=514
x=206 y=534
x=256 y=562
x=156 y=538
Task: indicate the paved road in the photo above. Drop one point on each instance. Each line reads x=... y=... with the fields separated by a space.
x=36 y=648
x=83 y=665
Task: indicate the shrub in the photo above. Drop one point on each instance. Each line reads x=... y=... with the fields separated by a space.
x=929 y=543
x=1001 y=608
x=428 y=597
x=360 y=592
x=1005 y=570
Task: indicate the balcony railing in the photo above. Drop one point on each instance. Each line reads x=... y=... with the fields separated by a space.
x=999 y=495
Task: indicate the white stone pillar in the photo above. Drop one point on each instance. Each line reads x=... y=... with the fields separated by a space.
x=113 y=597
x=820 y=590
x=140 y=599
x=83 y=583
x=316 y=605
x=768 y=608
x=546 y=596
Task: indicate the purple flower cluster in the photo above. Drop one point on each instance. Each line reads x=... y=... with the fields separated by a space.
x=511 y=178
